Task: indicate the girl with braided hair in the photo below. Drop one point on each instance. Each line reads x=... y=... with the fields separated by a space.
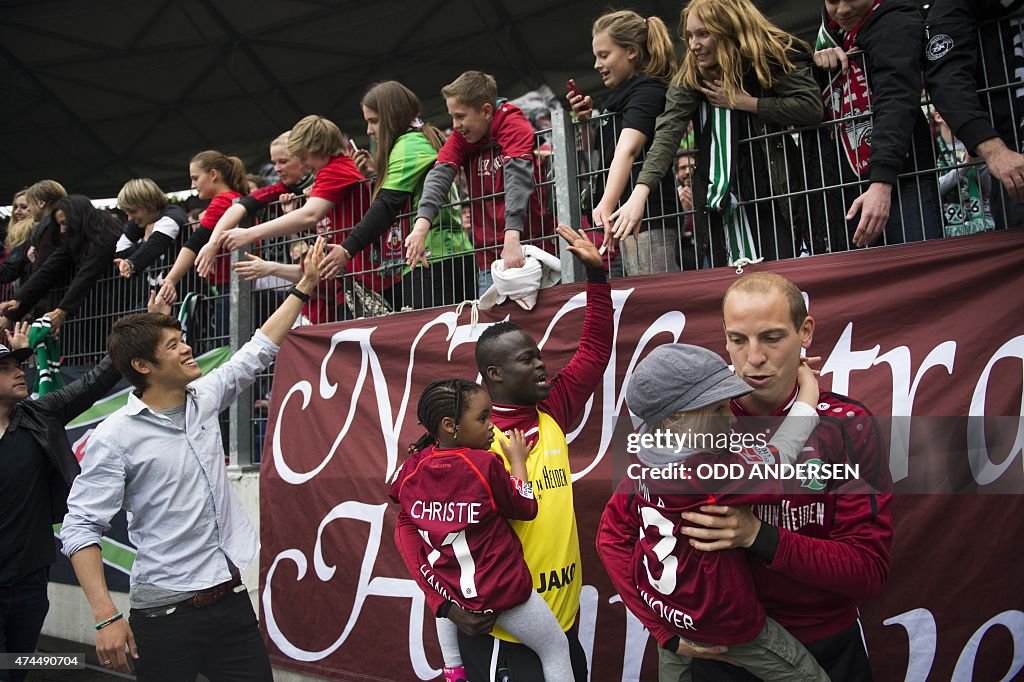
x=458 y=494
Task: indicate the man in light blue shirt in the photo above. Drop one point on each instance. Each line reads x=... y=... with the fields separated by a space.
x=162 y=460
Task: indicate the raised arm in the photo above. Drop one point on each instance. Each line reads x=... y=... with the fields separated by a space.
x=280 y=322
x=574 y=385
x=227 y=381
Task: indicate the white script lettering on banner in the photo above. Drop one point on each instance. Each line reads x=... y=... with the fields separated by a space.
x=922 y=635
x=983 y=468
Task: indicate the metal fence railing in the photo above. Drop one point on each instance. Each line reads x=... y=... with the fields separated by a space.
x=791 y=191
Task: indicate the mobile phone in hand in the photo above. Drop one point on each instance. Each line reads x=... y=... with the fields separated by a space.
x=573 y=88
x=352 y=144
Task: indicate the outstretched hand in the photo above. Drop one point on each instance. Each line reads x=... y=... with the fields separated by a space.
x=313 y=264
x=581 y=247
x=157 y=304
x=19 y=335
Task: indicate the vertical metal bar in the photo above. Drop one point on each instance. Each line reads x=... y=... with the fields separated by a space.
x=567 y=188
x=240 y=412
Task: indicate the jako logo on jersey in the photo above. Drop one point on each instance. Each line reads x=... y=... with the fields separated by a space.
x=814 y=484
x=938 y=47
x=552 y=580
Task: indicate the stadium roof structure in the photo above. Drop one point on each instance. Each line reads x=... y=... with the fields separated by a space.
x=99 y=91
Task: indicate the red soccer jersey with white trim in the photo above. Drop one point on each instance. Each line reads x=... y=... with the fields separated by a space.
x=458 y=499
x=834 y=546
x=707 y=597
x=344 y=186
x=511 y=137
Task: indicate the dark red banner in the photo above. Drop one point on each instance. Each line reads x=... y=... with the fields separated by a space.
x=916 y=332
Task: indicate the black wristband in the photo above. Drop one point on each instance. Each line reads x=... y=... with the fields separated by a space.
x=765 y=542
x=443 y=609
x=301 y=295
x=597 y=275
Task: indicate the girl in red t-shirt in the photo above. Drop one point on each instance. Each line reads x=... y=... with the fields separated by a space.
x=458 y=494
x=221 y=179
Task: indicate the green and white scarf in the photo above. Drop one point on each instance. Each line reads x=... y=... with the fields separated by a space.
x=48 y=357
x=961 y=217
x=739 y=238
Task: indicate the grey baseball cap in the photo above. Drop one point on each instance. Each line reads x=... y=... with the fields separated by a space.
x=19 y=354
x=678 y=377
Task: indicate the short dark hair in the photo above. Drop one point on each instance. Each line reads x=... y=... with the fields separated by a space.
x=136 y=337
x=486 y=345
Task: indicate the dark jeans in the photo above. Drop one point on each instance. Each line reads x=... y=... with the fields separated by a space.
x=23 y=608
x=516 y=662
x=221 y=641
x=842 y=656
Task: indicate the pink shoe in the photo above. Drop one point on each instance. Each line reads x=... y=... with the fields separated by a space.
x=456 y=674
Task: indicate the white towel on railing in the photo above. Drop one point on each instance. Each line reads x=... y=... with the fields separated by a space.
x=521 y=285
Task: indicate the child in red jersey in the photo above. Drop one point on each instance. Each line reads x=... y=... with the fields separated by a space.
x=458 y=494
x=493 y=144
x=684 y=595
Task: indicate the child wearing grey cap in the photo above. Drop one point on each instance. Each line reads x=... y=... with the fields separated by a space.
x=682 y=594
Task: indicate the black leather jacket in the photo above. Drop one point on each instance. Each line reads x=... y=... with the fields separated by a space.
x=46 y=417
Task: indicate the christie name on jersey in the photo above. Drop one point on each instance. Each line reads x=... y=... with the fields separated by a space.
x=447 y=512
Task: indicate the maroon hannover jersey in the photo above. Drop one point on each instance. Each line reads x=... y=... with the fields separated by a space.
x=458 y=500
x=707 y=597
x=834 y=546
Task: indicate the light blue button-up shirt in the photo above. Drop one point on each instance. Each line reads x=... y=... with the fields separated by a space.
x=183 y=517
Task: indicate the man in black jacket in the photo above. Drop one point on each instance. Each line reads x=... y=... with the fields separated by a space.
x=986 y=123
x=36 y=471
x=885 y=80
